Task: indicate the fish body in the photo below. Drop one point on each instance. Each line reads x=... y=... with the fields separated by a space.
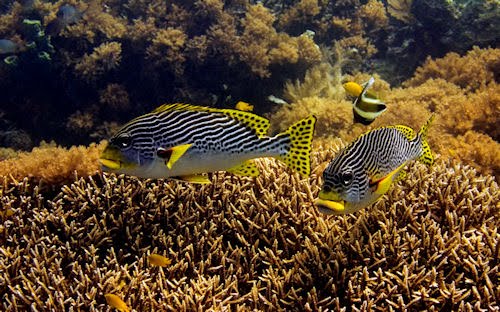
x=366 y=106
x=244 y=106
x=159 y=260
x=65 y=16
x=183 y=141
x=116 y=302
x=363 y=171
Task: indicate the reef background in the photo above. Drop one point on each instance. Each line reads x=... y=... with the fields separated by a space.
x=69 y=233
x=90 y=65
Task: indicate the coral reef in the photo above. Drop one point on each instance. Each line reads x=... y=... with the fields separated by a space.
x=205 y=51
x=432 y=243
x=51 y=164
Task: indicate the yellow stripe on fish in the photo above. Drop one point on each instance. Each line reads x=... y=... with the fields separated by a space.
x=364 y=171
x=183 y=141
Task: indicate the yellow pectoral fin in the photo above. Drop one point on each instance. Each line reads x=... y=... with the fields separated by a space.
x=247 y=169
x=384 y=184
x=176 y=152
x=195 y=178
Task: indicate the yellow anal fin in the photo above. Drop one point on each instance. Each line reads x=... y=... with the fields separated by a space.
x=301 y=134
x=247 y=169
x=384 y=184
x=194 y=178
x=173 y=154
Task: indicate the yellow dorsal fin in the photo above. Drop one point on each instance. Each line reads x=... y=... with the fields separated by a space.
x=247 y=169
x=259 y=124
x=408 y=132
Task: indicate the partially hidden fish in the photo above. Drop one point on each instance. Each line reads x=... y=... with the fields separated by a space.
x=159 y=260
x=363 y=171
x=116 y=302
x=366 y=106
x=183 y=141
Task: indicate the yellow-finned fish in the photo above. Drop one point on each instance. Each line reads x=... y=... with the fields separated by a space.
x=366 y=106
x=363 y=171
x=159 y=260
x=116 y=302
x=183 y=141
x=244 y=106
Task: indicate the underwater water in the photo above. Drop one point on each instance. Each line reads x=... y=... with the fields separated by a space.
x=225 y=204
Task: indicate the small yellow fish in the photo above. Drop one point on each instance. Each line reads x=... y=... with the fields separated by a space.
x=244 y=106
x=116 y=302
x=6 y=213
x=159 y=260
x=352 y=88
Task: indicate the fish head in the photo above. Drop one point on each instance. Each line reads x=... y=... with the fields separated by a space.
x=345 y=188
x=125 y=153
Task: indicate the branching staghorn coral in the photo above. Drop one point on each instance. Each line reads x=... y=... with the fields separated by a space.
x=238 y=244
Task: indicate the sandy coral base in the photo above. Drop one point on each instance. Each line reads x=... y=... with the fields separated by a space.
x=432 y=243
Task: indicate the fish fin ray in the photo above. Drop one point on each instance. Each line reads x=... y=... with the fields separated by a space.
x=299 y=154
x=383 y=184
x=247 y=169
x=408 y=132
x=173 y=154
x=426 y=156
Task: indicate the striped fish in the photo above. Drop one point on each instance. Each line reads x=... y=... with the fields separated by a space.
x=183 y=141
x=366 y=106
x=363 y=171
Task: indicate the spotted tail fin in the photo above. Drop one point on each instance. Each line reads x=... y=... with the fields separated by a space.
x=298 y=156
x=426 y=156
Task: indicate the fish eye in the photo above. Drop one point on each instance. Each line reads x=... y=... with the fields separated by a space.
x=346 y=178
x=122 y=141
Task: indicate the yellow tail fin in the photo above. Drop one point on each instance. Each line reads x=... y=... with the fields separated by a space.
x=426 y=156
x=299 y=155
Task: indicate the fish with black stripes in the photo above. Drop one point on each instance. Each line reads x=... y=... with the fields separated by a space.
x=363 y=171
x=184 y=141
x=366 y=106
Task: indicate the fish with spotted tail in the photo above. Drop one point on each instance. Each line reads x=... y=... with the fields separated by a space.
x=183 y=141
x=364 y=171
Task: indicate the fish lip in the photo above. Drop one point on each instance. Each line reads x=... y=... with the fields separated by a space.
x=110 y=163
x=330 y=206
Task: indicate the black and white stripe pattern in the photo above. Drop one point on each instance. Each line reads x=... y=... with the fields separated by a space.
x=376 y=154
x=206 y=130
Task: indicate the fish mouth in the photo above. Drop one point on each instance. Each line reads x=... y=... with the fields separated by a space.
x=110 y=163
x=330 y=206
